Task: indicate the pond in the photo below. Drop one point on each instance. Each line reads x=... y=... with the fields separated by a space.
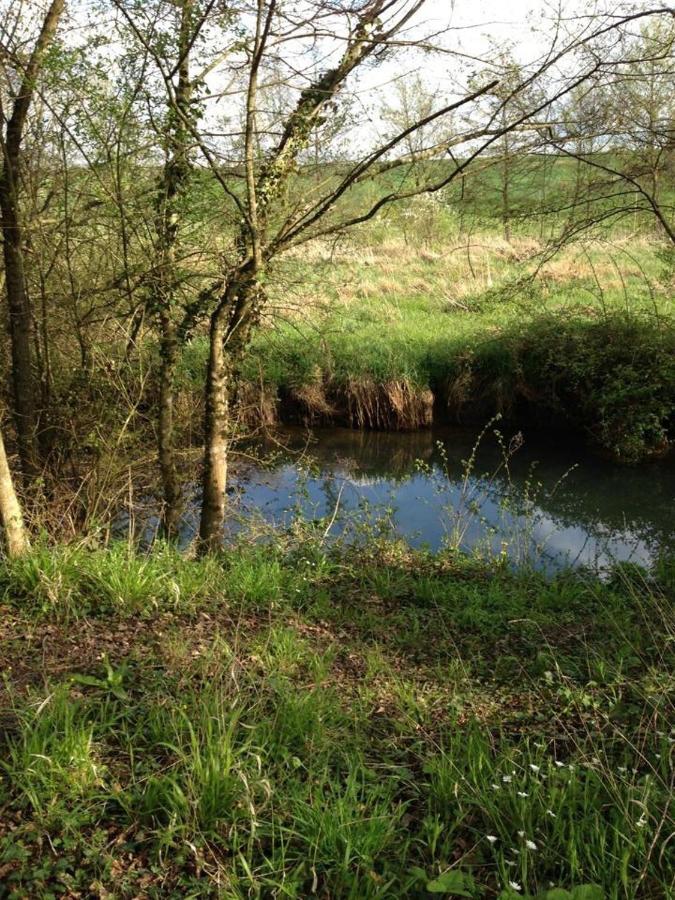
x=537 y=501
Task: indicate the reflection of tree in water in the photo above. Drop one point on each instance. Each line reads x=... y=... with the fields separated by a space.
x=597 y=495
x=369 y=454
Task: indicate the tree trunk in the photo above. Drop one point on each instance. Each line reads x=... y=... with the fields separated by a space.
x=175 y=176
x=171 y=493
x=10 y=509
x=20 y=313
x=230 y=333
x=506 y=196
x=216 y=426
x=20 y=326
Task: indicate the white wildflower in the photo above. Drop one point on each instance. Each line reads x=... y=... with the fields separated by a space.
x=506 y=778
x=492 y=838
x=534 y=768
x=515 y=886
x=530 y=845
x=549 y=812
x=522 y=794
x=521 y=834
x=559 y=764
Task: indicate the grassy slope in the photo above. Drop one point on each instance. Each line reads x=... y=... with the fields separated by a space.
x=365 y=333
x=291 y=721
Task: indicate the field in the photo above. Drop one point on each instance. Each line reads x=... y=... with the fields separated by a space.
x=394 y=333
x=291 y=721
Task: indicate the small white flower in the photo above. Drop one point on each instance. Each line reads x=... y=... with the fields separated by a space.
x=506 y=778
x=521 y=834
x=642 y=821
x=491 y=838
x=559 y=764
x=549 y=812
x=515 y=886
x=622 y=769
x=496 y=787
x=522 y=794
x=534 y=768
x=510 y=862
x=530 y=845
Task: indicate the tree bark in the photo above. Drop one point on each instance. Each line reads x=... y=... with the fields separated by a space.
x=20 y=327
x=10 y=509
x=216 y=425
x=20 y=312
x=171 y=493
x=172 y=185
x=231 y=325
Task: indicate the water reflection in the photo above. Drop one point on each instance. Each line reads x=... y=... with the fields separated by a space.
x=551 y=505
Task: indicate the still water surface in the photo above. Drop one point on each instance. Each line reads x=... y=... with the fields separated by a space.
x=548 y=503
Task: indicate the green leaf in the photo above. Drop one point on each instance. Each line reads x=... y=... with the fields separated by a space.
x=557 y=894
x=453 y=882
x=418 y=874
x=88 y=681
x=588 y=892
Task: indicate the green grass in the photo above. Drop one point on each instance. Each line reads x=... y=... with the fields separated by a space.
x=364 y=334
x=293 y=721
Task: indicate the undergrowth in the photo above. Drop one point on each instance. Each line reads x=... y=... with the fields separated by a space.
x=295 y=721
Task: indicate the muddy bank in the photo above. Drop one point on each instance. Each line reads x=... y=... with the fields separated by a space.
x=401 y=406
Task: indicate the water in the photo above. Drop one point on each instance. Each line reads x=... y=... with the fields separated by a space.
x=552 y=505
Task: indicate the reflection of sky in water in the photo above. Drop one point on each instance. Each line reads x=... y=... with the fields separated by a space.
x=597 y=515
x=430 y=510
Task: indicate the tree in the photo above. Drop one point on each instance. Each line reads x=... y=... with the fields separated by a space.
x=162 y=303
x=365 y=30
x=167 y=32
x=24 y=75
x=619 y=128
x=11 y=516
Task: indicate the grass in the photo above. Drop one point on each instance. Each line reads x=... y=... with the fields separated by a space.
x=393 y=333
x=291 y=721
